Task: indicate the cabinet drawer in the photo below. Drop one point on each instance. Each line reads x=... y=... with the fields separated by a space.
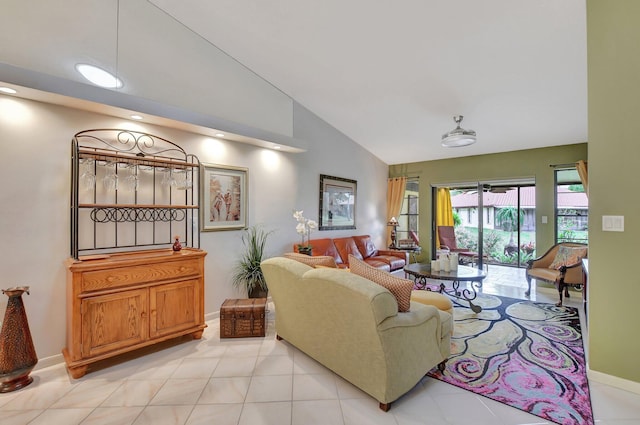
x=126 y=276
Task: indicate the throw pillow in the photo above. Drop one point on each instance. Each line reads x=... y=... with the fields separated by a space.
x=400 y=288
x=312 y=261
x=568 y=256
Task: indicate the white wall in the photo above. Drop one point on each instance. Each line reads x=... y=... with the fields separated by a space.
x=158 y=59
x=35 y=143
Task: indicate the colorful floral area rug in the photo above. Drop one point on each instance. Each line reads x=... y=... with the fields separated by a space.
x=525 y=354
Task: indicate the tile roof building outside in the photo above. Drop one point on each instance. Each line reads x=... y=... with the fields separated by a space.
x=566 y=199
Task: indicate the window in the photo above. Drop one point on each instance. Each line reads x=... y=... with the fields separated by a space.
x=572 y=207
x=408 y=220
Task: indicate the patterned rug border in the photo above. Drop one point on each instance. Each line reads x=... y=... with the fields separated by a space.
x=526 y=354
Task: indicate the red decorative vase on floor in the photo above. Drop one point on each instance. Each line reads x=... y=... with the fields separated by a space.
x=17 y=354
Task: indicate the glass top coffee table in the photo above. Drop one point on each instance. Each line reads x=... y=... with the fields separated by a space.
x=422 y=271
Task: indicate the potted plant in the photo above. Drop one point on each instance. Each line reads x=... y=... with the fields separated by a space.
x=247 y=273
x=304 y=228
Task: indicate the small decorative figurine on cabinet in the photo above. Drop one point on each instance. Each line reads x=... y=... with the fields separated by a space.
x=176 y=245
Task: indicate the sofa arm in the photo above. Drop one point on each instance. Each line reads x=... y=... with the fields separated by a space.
x=541 y=262
x=414 y=317
x=414 y=342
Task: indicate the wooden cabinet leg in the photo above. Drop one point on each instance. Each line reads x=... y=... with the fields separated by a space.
x=78 y=372
x=198 y=334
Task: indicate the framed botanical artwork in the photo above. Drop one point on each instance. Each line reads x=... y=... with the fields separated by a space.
x=224 y=197
x=337 y=203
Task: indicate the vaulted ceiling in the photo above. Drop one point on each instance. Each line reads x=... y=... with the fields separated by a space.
x=389 y=75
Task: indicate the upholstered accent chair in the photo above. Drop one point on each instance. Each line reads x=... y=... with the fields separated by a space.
x=562 y=266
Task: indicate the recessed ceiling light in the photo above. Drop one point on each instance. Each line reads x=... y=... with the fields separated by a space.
x=219 y=135
x=8 y=90
x=136 y=117
x=99 y=76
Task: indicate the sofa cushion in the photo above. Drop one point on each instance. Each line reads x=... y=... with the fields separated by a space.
x=323 y=246
x=550 y=275
x=394 y=263
x=436 y=299
x=378 y=264
x=347 y=246
x=313 y=261
x=369 y=252
x=567 y=256
x=365 y=245
x=400 y=288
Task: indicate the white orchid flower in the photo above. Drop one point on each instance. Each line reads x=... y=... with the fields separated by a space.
x=304 y=225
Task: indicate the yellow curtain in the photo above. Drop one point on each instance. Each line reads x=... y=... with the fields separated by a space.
x=581 y=166
x=395 y=196
x=444 y=211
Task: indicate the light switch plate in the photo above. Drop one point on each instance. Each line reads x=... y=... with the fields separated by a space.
x=613 y=223
x=544 y=219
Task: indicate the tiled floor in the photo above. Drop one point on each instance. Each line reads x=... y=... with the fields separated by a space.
x=261 y=381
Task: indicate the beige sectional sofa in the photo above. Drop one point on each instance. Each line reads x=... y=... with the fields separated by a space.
x=352 y=326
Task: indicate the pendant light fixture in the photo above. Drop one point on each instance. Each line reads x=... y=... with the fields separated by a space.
x=458 y=136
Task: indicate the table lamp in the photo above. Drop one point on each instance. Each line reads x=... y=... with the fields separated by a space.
x=394 y=224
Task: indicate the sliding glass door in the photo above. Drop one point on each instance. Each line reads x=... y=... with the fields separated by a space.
x=496 y=220
x=512 y=240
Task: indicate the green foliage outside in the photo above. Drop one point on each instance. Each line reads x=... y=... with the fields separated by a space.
x=457 y=221
x=496 y=240
x=508 y=218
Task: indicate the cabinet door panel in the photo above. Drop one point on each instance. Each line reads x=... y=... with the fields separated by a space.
x=174 y=307
x=111 y=322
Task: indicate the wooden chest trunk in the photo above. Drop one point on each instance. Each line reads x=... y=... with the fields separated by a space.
x=242 y=318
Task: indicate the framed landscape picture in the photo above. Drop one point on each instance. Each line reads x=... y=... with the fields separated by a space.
x=337 y=203
x=224 y=197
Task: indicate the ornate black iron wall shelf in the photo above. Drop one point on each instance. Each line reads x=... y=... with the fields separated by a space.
x=135 y=214
x=131 y=190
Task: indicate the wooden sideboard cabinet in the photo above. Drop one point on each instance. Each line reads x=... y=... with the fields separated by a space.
x=120 y=302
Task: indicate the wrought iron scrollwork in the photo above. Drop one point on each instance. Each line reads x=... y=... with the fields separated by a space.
x=135 y=214
x=106 y=220
x=140 y=144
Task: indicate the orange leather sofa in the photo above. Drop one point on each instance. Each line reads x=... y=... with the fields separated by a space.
x=361 y=247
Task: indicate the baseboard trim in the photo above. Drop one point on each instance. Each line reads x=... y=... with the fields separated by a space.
x=49 y=361
x=613 y=381
x=212 y=316
x=59 y=358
